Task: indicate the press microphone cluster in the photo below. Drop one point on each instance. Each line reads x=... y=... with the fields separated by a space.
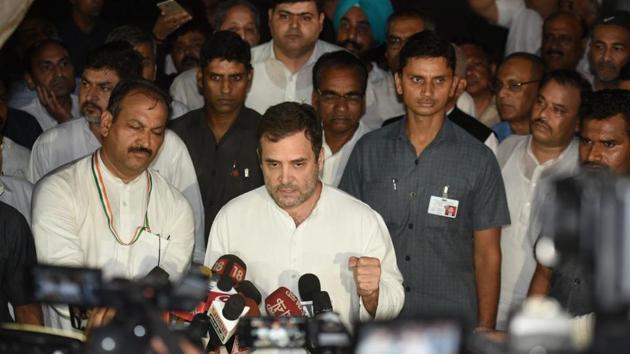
x=229 y=298
x=232 y=304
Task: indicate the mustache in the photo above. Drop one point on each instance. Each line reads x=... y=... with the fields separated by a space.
x=554 y=51
x=294 y=31
x=606 y=65
x=90 y=104
x=541 y=121
x=188 y=60
x=594 y=166
x=289 y=186
x=140 y=149
x=350 y=43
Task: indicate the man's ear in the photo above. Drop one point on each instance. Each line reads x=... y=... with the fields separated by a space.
x=320 y=159
x=30 y=83
x=454 y=86
x=199 y=76
x=461 y=86
x=106 y=123
x=398 y=83
x=322 y=16
x=314 y=100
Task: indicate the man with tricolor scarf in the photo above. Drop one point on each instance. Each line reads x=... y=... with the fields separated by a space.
x=108 y=210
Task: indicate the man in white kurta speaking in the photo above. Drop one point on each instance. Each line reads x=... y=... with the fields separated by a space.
x=295 y=225
x=108 y=210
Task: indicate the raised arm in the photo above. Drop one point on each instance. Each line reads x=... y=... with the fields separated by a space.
x=486 y=9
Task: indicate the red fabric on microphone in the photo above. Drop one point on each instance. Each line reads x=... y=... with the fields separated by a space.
x=283 y=303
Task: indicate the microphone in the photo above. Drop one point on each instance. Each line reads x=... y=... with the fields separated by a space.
x=224 y=318
x=232 y=266
x=326 y=330
x=283 y=303
x=321 y=303
x=308 y=286
x=197 y=329
x=217 y=290
x=233 y=344
x=248 y=289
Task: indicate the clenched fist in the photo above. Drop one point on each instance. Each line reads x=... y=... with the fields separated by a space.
x=367 y=274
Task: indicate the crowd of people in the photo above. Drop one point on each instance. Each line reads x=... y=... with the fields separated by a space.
x=405 y=170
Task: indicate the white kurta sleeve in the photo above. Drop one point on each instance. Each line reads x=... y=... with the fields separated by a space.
x=391 y=294
x=178 y=254
x=507 y=10
x=218 y=240
x=38 y=163
x=175 y=165
x=55 y=228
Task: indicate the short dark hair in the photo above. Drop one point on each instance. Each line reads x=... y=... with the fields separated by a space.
x=569 y=78
x=318 y=3
x=33 y=51
x=581 y=22
x=487 y=52
x=225 y=6
x=142 y=86
x=339 y=60
x=130 y=34
x=190 y=26
x=411 y=13
x=226 y=45
x=117 y=56
x=604 y=104
x=427 y=44
x=538 y=66
x=288 y=118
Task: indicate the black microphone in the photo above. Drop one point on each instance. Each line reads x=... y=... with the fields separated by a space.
x=248 y=289
x=321 y=303
x=197 y=329
x=224 y=319
x=327 y=333
x=308 y=286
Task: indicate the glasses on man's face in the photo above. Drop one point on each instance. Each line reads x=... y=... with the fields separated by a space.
x=330 y=97
x=512 y=86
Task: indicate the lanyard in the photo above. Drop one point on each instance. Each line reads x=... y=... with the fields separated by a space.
x=102 y=194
